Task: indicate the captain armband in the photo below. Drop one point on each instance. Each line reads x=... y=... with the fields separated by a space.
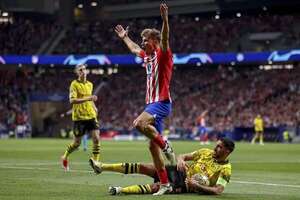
x=221 y=181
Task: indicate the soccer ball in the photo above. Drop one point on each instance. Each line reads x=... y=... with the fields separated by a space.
x=201 y=179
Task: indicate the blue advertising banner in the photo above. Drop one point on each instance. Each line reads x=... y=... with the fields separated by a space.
x=179 y=59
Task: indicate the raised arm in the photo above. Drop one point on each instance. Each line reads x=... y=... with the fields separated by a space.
x=123 y=34
x=165 y=27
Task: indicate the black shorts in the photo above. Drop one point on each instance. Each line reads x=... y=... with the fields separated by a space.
x=82 y=126
x=176 y=178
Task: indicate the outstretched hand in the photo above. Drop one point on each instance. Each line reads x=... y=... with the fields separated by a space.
x=164 y=11
x=121 y=32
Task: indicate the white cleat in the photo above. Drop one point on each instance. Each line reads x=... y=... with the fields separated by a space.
x=97 y=166
x=114 y=190
x=164 y=189
x=169 y=153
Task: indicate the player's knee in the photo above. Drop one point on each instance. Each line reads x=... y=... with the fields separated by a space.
x=95 y=140
x=139 y=125
x=77 y=143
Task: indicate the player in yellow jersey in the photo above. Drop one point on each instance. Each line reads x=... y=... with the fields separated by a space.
x=213 y=164
x=259 y=130
x=84 y=114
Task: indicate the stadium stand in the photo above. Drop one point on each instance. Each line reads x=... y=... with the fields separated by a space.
x=248 y=33
x=233 y=96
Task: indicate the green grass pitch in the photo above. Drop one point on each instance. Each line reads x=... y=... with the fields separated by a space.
x=30 y=169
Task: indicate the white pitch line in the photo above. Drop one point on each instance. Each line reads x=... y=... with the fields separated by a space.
x=268 y=184
x=86 y=171
x=40 y=164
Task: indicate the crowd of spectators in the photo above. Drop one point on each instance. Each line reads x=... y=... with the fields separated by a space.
x=232 y=96
x=14 y=116
x=24 y=36
x=188 y=34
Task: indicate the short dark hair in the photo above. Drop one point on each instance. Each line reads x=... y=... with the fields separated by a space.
x=228 y=143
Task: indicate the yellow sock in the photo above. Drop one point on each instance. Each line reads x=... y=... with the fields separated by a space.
x=261 y=139
x=96 y=152
x=71 y=147
x=125 y=168
x=137 y=189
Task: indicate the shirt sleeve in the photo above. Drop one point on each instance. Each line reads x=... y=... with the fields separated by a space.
x=197 y=154
x=224 y=176
x=142 y=54
x=72 y=92
x=92 y=88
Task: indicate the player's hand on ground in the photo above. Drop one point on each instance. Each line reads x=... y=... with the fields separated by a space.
x=94 y=98
x=181 y=165
x=121 y=32
x=164 y=11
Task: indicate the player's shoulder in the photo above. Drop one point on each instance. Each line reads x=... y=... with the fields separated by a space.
x=204 y=151
x=74 y=83
x=226 y=168
x=89 y=82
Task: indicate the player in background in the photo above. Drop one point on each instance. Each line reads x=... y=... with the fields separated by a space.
x=158 y=62
x=259 y=130
x=213 y=164
x=201 y=123
x=84 y=114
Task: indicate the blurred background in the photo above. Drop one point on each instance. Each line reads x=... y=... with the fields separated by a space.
x=234 y=58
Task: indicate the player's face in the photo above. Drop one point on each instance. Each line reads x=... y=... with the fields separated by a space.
x=148 y=44
x=220 y=150
x=81 y=72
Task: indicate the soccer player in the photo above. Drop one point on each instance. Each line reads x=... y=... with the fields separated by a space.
x=213 y=164
x=259 y=130
x=158 y=63
x=201 y=122
x=84 y=115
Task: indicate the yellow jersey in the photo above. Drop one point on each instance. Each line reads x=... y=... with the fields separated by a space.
x=85 y=110
x=258 y=124
x=204 y=163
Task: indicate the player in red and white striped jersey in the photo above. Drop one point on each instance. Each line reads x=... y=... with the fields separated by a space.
x=157 y=57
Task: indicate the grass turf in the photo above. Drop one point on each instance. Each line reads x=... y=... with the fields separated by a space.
x=30 y=169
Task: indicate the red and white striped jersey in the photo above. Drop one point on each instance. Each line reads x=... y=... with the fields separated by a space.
x=159 y=67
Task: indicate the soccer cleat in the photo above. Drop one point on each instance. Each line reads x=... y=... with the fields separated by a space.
x=114 y=190
x=65 y=164
x=96 y=166
x=169 y=153
x=163 y=189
